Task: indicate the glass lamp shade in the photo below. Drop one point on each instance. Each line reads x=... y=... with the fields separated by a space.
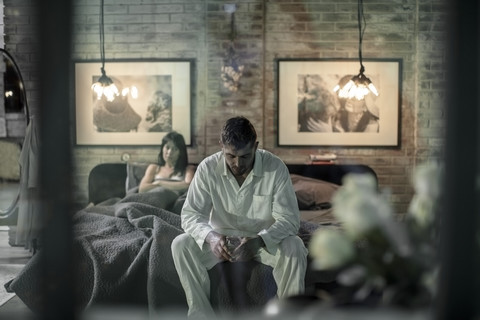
x=105 y=87
x=357 y=87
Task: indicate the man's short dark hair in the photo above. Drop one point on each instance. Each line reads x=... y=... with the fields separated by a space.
x=238 y=132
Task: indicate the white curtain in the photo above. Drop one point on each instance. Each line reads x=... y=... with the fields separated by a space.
x=29 y=220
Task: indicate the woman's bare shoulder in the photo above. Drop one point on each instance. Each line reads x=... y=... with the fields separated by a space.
x=152 y=167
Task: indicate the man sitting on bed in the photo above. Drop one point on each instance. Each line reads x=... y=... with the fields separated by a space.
x=240 y=206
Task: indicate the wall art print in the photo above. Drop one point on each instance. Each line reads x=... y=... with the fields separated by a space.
x=311 y=114
x=155 y=99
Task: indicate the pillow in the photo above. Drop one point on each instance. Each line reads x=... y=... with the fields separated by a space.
x=312 y=193
x=135 y=173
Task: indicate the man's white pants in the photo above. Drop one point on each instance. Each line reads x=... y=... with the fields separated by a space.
x=289 y=265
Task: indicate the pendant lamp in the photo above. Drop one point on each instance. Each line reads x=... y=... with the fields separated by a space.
x=104 y=88
x=359 y=85
x=232 y=68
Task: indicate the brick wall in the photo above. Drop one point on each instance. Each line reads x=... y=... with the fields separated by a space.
x=412 y=30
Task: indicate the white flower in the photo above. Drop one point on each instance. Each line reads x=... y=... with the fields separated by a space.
x=231 y=77
x=359 y=206
x=330 y=249
x=427 y=182
x=363 y=182
x=422 y=209
x=427 y=179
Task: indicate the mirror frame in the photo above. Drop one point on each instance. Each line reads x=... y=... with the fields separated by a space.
x=9 y=215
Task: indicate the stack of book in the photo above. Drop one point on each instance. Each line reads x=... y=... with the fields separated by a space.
x=325 y=158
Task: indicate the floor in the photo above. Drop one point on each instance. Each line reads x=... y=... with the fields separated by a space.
x=14 y=308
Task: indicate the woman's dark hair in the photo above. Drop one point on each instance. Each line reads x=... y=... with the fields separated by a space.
x=238 y=132
x=179 y=142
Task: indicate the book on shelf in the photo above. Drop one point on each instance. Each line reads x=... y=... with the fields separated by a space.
x=323 y=157
x=322 y=162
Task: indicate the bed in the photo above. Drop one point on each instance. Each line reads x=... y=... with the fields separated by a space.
x=122 y=243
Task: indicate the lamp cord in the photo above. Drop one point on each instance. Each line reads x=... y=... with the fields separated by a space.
x=361 y=31
x=102 y=38
x=233 y=30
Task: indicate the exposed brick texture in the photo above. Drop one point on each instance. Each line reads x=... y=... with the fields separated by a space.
x=412 y=30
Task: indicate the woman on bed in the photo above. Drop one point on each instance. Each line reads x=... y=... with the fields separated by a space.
x=172 y=170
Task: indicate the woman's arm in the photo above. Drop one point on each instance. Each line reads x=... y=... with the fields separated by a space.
x=179 y=185
x=147 y=182
x=169 y=184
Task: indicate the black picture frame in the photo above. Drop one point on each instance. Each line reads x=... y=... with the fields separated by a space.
x=136 y=121
x=321 y=76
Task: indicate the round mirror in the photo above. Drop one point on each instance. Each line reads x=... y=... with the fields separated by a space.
x=9 y=181
x=14 y=119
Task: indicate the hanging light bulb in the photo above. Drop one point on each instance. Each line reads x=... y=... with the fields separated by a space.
x=359 y=85
x=104 y=87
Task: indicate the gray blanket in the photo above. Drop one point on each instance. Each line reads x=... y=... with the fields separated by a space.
x=122 y=247
x=122 y=252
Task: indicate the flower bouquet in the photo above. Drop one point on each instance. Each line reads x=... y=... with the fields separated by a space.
x=232 y=70
x=377 y=257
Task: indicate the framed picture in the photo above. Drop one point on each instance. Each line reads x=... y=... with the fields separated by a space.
x=310 y=113
x=155 y=98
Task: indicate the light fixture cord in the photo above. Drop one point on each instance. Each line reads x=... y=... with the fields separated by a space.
x=233 y=31
x=231 y=48
x=361 y=31
x=102 y=38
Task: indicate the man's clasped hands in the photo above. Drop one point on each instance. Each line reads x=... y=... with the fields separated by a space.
x=234 y=248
